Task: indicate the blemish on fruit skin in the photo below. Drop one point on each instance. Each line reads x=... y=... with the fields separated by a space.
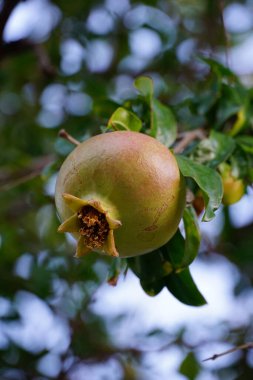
x=153 y=227
x=158 y=214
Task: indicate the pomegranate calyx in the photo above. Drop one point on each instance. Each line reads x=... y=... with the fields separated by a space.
x=93 y=224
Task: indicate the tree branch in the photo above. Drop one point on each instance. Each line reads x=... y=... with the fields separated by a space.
x=187 y=138
x=9 y=181
x=44 y=62
x=245 y=346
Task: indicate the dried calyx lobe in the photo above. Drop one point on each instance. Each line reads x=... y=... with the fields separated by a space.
x=93 y=226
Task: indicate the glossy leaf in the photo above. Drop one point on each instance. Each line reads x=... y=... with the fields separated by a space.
x=182 y=251
x=230 y=103
x=239 y=123
x=165 y=126
x=145 y=86
x=152 y=288
x=174 y=250
x=218 y=68
x=182 y=286
x=209 y=182
x=203 y=102
x=246 y=143
x=192 y=236
x=190 y=366
x=162 y=121
x=215 y=149
x=123 y=119
x=151 y=266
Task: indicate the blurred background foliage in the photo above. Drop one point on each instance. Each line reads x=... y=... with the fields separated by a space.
x=69 y=65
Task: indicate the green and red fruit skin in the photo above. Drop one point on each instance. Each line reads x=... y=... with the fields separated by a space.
x=134 y=180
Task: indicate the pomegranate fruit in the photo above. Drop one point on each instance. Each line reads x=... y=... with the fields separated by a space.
x=233 y=188
x=121 y=194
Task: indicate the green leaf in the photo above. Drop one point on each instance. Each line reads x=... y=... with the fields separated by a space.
x=124 y=119
x=218 y=68
x=242 y=119
x=201 y=103
x=150 y=267
x=190 y=366
x=162 y=122
x=246 y=143
x=209 y=182
x=230 y=103
x=145 y=86
x=192 y=236
x=223 y=147
x=179 y=251
x=174 y=250
x=152 y=288
x=165 y=126
x=215 y=149
x=182 y=286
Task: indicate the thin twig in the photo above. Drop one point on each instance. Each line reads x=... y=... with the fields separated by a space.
x=8 y=182
x=19 y=181
x=188 y=137
x=245 y=346
x=65 y=135
x=44 y=62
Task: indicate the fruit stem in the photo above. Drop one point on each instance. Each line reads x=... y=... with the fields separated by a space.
x=65 y=135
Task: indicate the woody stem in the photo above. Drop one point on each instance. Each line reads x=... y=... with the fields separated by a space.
x=65 y=135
